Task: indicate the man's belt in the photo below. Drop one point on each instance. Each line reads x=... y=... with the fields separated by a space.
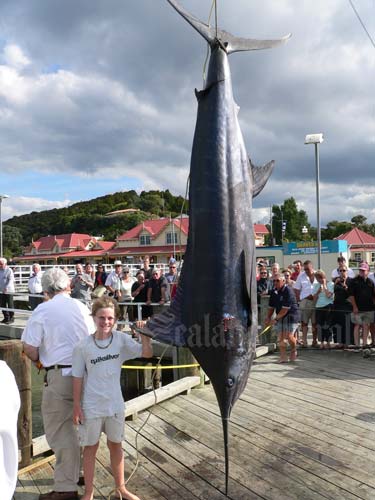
x=56 y=367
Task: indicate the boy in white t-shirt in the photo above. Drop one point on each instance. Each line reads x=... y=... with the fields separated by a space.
x=98 y=402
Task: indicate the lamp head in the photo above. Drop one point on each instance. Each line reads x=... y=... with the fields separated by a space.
x=314 y=139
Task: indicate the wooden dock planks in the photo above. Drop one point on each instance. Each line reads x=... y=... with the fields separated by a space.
x=300 y=431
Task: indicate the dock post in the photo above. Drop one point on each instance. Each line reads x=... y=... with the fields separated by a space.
x=270 y=336
x=185 y=357
x=11 y=352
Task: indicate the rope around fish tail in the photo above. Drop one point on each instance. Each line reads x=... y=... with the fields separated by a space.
x=214 y=4
x=144 y=423
x=180 y=228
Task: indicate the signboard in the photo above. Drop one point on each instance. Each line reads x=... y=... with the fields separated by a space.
x=311 y=247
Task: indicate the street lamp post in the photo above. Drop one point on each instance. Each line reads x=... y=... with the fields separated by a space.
x=2 y=197
x=317 y=139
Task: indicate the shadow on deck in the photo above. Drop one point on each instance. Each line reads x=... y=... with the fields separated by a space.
x=300 y=431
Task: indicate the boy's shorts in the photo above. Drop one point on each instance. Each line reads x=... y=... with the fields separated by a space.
x=89 y=432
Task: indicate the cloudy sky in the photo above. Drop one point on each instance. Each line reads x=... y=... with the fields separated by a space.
x=97 y=96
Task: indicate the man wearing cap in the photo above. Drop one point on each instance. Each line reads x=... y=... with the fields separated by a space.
x=362 y=295
x=50 y=335
x=113 y=281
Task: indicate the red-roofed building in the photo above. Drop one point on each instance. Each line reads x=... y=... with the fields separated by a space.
x=66 y=248
x=260 y=232
x=361 y=245
x=161 y=239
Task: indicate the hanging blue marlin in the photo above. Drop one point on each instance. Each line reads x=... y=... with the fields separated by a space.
x=214 y=312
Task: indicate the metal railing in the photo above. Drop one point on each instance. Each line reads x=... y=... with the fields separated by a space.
x=23 y=272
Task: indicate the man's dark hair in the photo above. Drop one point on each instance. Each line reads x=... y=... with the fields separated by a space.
x=307 y=262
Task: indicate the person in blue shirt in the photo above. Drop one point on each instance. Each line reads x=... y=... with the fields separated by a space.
x=323 y=297
x=283 y=302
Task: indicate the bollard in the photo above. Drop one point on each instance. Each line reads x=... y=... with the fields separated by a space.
x=11 y=352
x=185 y=357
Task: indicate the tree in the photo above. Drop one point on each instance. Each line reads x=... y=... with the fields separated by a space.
x=12 y=241
x=334 y=228
x=359 y=220
x=152 y=202
x=293 y=220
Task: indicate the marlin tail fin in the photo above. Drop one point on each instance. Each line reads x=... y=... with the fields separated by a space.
x=228 y=41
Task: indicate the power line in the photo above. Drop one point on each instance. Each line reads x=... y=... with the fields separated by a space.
x=362 y=23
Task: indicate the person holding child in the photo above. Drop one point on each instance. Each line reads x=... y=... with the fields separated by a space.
x=98 y=403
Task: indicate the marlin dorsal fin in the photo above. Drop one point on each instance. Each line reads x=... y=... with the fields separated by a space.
x=228 y=41
x=260 y=176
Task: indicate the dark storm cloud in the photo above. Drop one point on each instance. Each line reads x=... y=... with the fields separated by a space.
x=110 y=86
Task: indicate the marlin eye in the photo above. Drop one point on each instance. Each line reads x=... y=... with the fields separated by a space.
x=230 y=382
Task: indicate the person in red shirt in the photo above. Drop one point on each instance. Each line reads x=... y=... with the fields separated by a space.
x=297 y=264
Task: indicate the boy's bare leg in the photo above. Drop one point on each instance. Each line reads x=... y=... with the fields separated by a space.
x=117 y=465
x=89 y=454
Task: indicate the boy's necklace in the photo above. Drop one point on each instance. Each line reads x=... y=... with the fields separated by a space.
x=103 y=346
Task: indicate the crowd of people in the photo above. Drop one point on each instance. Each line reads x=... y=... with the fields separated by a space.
x=149 y=285
x=340 y=308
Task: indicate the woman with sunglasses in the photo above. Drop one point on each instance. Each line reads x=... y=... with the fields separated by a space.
x=283 y=302
x=342 y=308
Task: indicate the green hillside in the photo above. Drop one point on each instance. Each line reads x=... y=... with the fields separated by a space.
x=89 y=217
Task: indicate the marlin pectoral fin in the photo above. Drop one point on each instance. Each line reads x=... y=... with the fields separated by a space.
x=260 y=176
x=166 y=327
x=228 y=41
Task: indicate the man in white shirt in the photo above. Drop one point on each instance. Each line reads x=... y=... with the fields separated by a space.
x=51 y=333
x=10 y=402
x=35 y=287
x=7 y=289
x=303 y=288
x=113 y=281
x=81 y=285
